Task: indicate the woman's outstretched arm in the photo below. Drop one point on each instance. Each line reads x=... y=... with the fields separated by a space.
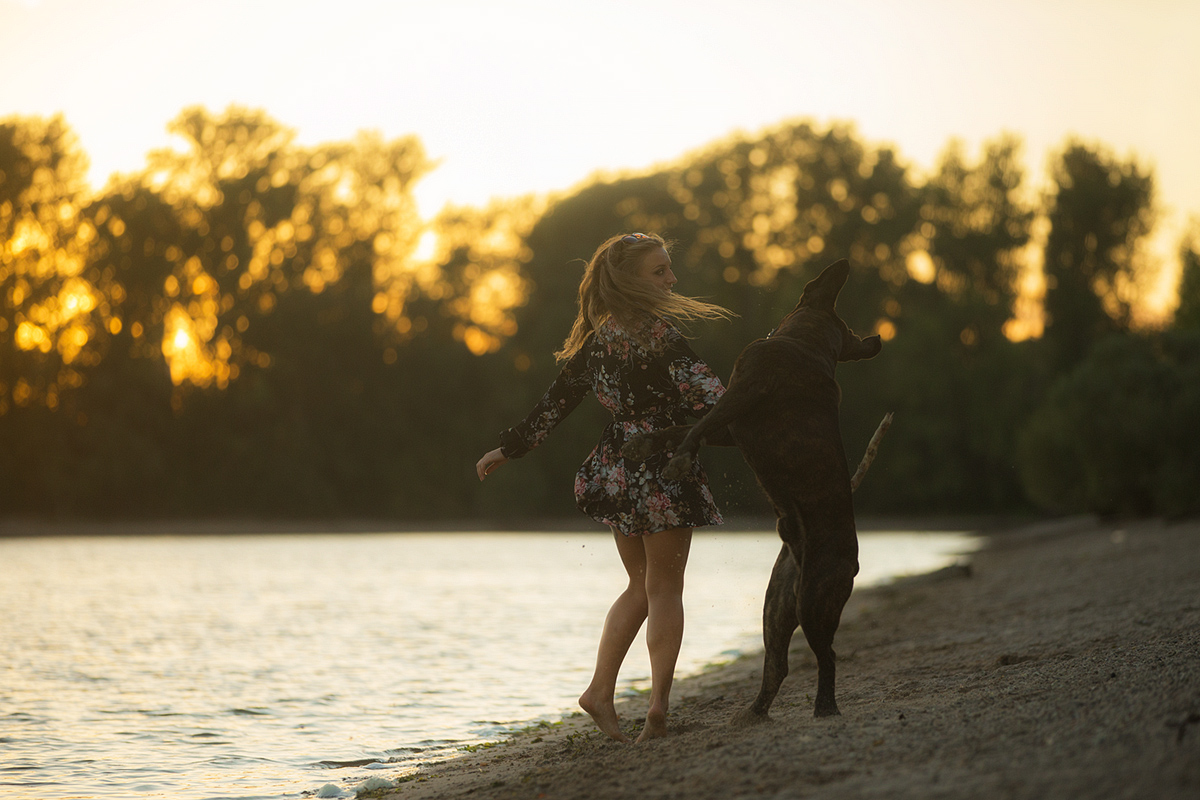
x=567 y=391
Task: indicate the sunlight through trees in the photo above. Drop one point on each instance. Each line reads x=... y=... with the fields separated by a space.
x=251 y=326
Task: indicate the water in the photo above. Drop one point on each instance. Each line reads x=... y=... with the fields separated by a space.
x=269 y=666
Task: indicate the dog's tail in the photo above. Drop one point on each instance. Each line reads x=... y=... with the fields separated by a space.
x=872 y=449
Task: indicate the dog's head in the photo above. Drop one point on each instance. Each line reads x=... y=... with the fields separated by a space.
x=816 y=313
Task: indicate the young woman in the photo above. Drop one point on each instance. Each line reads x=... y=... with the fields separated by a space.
x=623 y=348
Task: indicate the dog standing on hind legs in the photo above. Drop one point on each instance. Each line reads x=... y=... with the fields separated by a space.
x=781 y=411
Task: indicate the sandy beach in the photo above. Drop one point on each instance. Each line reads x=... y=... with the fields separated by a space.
x=1062 y=660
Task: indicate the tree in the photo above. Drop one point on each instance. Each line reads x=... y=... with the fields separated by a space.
x=753 y=218
x=248 y=327
x=1101 y=209
x=974 y=225
x=292 y=270
x=243 y=256
x=1120 y=433
x=52 y=313
x=1188 y=313
x=53 y=318
x=957 y=384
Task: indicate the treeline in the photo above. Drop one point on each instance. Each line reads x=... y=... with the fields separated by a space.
x=254 y=328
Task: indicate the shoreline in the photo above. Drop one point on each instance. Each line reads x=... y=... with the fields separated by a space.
x=19 y=527
x=1062 y=660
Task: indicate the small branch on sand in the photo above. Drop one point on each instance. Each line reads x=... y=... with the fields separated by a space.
x=872 y=449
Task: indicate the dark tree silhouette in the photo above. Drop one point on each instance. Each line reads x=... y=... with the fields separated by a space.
x=1098 y=214
x=1187 y=315
x=248 y=327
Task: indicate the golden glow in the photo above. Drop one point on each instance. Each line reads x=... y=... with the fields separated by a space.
x=920 y=266
x=349 y=203
x=44 y=248
x=33 y=337
x=426 y=246
x=28 y=235
x=181 y=348
x=22 y=392
x=1159 y=297
x=346 y=195
x=479 y=341
x=1029 y=318
x=486 y=248
x=492 y=296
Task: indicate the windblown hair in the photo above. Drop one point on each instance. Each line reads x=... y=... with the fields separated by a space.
x=611 y=287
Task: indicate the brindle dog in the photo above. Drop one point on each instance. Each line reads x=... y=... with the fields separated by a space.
x=781 y=410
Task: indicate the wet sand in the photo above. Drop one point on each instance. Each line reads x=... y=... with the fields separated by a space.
x=1062 y=661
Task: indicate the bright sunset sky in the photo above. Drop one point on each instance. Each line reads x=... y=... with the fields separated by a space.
x=533 y=95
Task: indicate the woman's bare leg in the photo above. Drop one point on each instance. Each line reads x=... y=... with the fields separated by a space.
x=666 y=559
x=624 y=620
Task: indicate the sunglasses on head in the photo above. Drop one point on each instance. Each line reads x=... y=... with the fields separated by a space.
x=635 y=237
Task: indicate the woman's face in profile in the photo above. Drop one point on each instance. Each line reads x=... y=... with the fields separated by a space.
x=656 y=269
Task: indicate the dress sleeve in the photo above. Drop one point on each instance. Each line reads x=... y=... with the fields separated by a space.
x=699 y=387
x=567 y=391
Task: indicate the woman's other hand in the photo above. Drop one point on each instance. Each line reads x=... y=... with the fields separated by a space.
x=489 y=462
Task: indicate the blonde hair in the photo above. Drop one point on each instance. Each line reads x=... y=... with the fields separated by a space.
x=612 y=287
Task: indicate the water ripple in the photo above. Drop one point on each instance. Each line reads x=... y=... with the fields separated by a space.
x=208 y=667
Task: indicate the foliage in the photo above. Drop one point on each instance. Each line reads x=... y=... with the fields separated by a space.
x=1100 y=212
x=1188 y=313
x=52 y=311
x=1120 y=434
x=250 y=327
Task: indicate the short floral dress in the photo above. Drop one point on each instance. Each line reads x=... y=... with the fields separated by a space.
x=646 y=389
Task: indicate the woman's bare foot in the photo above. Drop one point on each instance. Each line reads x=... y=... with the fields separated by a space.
x=604 y=714
x=656 y=726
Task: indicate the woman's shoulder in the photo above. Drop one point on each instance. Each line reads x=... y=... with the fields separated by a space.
x=662 y=330
x=612 y=332
x=662 y=336
x=652 y=330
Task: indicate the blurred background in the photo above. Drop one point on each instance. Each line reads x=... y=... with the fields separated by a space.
x=305 y=260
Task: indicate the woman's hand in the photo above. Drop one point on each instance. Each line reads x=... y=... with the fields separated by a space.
x=489 y=462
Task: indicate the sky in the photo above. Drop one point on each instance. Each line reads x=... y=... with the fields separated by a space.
x=518 y=96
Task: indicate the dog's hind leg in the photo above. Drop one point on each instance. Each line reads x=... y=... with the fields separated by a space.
x=779 y=623
x=826 y=580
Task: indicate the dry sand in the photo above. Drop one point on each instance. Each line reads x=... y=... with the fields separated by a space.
x=1063 y=662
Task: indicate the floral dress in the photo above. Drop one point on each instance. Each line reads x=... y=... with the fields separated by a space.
x=646 y=389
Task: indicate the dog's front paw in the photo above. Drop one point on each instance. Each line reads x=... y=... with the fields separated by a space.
x=679 y=466
x=640 y=447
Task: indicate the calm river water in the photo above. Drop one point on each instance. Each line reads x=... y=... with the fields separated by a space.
x=272 y=666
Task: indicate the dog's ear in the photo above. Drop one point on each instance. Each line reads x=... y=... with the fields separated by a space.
x=823 y=290
x=856 y=349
